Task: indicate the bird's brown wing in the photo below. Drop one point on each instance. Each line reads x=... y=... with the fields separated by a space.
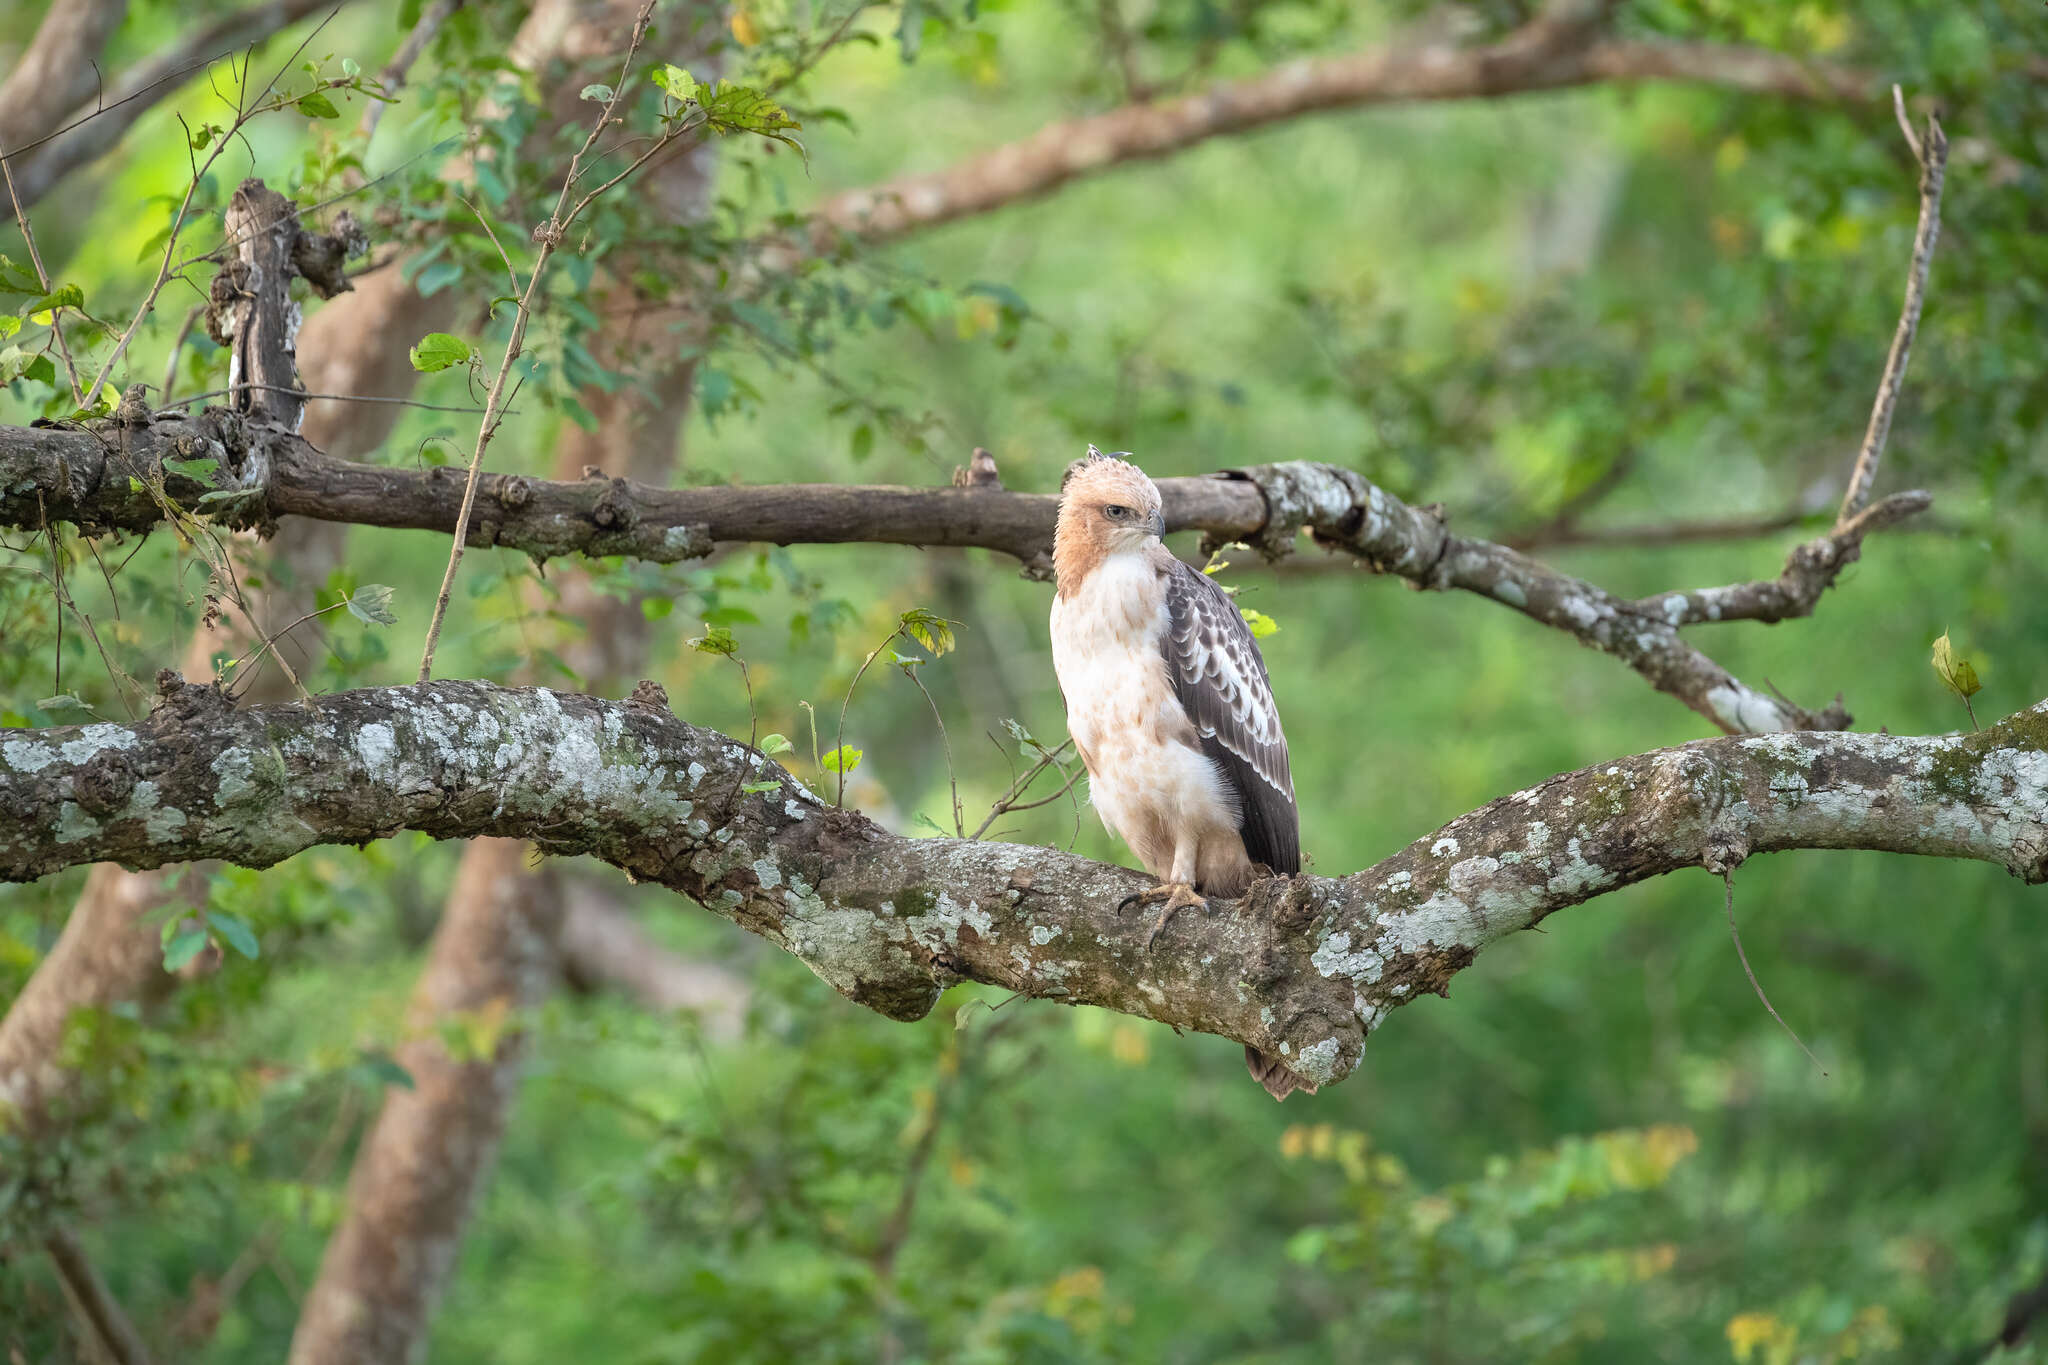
x=1221 y=682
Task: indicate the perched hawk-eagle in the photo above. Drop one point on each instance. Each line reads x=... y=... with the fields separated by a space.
x=1168 y=704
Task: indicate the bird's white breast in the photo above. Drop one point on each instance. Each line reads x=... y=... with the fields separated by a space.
x=1145 y=767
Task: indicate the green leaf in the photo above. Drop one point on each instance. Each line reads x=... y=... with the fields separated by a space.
x=317 y=105
x=15 y=362
x=349 y=68
x=234 y=931
x=601 y=94
x=439 y=350
x=1261 y=624
x=678 y=83
x=910 y=30
x=775 y=744
x=929 y=629
x=101 y=402
x=655 y=608
x=199 y=471
x=1958 y=674
x=64 y=296
x=181 y=945
x=381 y=1069
x=863 y=443
x=740 y=109
x=371 y=604
x=9 y=325
x=434 y=279
x=843 y=759
x=715 y=640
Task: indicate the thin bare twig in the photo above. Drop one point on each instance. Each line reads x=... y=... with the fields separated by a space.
x=1007 y=802
x=503 y=255
x=547 y=235
x=839 y=738
x=331 y=397
x=1728 y=908
x=35 y=257
x=1932 y=155
x=959 y=820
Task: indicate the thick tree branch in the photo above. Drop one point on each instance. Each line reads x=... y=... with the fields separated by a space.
x=1305 y=967
x=1544 y=55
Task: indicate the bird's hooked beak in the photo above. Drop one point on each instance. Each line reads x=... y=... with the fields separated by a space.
x=1157 y=526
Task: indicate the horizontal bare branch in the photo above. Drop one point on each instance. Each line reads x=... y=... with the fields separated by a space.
x=103 y=478
x=1305 y=967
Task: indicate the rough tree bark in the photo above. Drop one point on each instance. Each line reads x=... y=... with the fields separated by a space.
x=1305 y=967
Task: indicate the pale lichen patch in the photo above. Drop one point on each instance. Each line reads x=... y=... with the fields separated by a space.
x=377 y=746
x=1335 y=957
x=1317 y=1063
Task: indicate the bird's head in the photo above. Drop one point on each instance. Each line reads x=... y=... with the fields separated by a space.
x=1107 y=507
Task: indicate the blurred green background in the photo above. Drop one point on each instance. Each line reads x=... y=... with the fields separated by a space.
x=1599 y=1147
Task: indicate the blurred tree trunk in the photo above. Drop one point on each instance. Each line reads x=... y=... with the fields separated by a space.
x=105 y=955
x=500 y=945
x=419 y=1170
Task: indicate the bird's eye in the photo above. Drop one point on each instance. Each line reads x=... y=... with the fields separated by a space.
x=1116 y=513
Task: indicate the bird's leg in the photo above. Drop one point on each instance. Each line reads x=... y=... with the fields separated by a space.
x=1178 y=891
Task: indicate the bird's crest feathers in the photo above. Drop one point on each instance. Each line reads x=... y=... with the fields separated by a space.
x=1082 y=539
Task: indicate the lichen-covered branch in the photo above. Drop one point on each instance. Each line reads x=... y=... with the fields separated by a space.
x=1305 y=967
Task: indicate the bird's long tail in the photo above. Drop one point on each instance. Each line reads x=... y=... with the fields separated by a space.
x=1273 y=1074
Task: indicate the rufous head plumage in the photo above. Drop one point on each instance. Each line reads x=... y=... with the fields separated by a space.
x=1107 y=507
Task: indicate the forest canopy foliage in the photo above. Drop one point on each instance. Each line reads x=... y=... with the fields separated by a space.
x=1609 y=284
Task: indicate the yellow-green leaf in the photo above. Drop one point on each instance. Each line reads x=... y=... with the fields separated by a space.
x=1958 y=674
x=1261 y=624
